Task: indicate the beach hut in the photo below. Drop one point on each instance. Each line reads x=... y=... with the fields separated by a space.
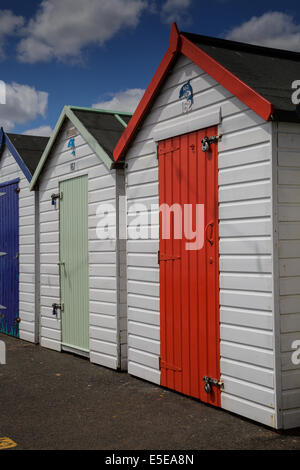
x=19 y=156
x=214 y=305
x=82 y=256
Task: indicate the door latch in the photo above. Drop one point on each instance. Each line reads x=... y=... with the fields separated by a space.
x=209 y=383
x=207 y=141
x=54 y=197
x=56 y=307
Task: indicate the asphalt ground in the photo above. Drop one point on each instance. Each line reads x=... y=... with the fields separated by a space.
x=58 y=401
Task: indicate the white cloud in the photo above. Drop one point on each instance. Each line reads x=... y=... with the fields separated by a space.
x=23 y=104
x=272 y=29
x=175 y=10
x=122 y=101
x=62 y=28
x=43 y=131
x=9 y=23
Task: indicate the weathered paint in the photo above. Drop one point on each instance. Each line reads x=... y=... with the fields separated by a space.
x=189 y=271
x=9 y=259
x=74 y=256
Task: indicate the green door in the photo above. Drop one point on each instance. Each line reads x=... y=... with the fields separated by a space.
x=73 y=262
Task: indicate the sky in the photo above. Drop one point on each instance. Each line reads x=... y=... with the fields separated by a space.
x=103 y=53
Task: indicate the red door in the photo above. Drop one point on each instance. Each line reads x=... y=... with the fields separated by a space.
x=189 y=271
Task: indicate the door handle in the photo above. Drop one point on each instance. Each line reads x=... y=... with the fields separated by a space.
x=209 y=231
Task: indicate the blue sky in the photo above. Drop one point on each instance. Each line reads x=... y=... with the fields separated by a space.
x=104 y=52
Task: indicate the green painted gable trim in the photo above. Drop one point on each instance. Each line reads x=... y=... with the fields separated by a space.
x=95 y=146
x=121 y=120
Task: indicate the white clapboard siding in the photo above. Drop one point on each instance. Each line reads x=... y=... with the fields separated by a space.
x=245 y=190
x=106 y=303
x=288 y=194
x=10 y=170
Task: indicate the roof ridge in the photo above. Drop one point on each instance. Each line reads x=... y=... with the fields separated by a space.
x=99 y=110
x=229 y=44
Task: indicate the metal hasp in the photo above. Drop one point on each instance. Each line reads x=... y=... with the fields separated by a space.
x=209 y=382
x=207 y=141
x=54 y=197
x=56 y=307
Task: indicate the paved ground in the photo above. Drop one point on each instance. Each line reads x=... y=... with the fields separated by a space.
x=55 y=400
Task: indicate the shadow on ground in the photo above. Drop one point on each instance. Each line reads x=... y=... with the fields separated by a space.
x=53 y=400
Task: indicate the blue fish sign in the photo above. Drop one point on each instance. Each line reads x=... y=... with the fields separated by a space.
x=71 y=144
x=186 y=94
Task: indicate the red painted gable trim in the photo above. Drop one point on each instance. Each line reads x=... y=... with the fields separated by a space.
x=179 y=43
x=149 y=94
x=228 y=80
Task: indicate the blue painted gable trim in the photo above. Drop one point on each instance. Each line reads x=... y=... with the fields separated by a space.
x=9 y=182
x=4 y=140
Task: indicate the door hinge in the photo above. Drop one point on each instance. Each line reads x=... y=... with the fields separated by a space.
x=166 y=365
x=171 y=149
x=209 y=382
x=207 y=141
x=167 y=257
x=17 y=190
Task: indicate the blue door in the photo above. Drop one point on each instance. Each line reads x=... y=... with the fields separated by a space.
x=9 y=258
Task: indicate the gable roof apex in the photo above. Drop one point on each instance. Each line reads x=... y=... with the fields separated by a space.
x=100 y=128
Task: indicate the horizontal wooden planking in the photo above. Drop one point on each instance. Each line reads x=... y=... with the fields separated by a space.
x=248 y=354
x=238 y=298
x=251 y=172
x=288 y=158
x=289 y=285
x=245 y=191
x=103 y=360
x=242 y=389
x=247 y=336
x=289 y=304
x=288 y=213
x=251 y=282
x=291 y=398
x=288 y=141
x=289 y=176
x=288 y=194
x=143 y=330
x=291 y=380
x=247 y=372
x=143 y=358
x=239 y=263
x=246 y=317
x=238 y=210
x=144 y=372
x=290 y=322
x=244 y=228
x=250 y=410
x=291 y=418
x=288 y=340
x=245 y=246
x=244 y=156
x=289 y=249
